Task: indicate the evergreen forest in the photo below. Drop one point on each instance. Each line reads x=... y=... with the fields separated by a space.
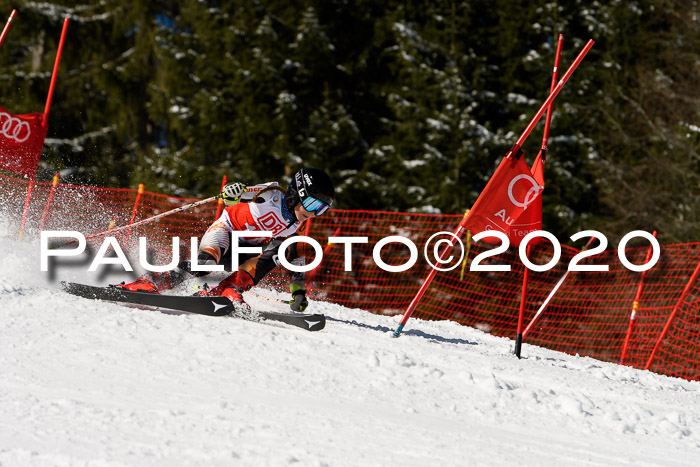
x=409 y=105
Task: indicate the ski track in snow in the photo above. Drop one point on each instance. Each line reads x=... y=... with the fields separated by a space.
x=87 y=383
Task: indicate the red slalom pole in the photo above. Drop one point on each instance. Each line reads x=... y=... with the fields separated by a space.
x=7 y=26
x=541 y=159
x=45 y=117
x=55 y=72
x=515 y=150
x=548 y=118
x=414 y=303
x=521 y=313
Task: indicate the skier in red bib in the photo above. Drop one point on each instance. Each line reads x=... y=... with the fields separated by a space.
x=267 y=208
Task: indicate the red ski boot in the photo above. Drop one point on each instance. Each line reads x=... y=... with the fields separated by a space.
x=231 y=288
x=239 y=280
x=142 y=284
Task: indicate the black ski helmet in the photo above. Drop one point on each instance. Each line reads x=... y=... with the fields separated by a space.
x=310 y=182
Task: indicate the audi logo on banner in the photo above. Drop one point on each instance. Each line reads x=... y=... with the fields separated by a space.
x=531 y=194
x=13 y=128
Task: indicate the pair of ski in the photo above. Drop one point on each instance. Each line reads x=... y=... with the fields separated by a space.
x=210 y=306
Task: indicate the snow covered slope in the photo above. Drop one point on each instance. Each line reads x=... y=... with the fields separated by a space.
x=99 y=384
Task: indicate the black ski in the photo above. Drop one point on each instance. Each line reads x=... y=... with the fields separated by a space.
x=301 y=320
x=210 y=306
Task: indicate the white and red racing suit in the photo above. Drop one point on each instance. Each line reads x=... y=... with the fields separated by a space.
x=265 y=213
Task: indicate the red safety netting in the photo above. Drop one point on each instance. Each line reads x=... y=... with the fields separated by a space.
x=589 y=315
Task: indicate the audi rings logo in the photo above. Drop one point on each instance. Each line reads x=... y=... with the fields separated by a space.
x=529 y=196
x=13 y=128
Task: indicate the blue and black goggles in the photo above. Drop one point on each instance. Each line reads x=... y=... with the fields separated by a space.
x=315 y=205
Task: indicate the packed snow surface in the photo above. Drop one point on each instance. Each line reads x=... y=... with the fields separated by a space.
x=88 y=383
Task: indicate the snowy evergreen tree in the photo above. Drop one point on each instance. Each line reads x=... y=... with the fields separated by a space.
x=410 y=105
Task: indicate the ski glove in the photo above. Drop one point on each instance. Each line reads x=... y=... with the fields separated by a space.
x=232 y=192
x=298 y=301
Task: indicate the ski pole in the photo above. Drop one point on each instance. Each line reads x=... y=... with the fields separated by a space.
x=275 y=300
x=150 y=219
x=269 y=299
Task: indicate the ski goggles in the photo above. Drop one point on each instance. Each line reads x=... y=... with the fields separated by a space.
x=314 y=205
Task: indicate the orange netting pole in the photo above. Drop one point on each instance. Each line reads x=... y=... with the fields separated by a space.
x=664 y=332
x=56 y=178
x=220 y=207
x=142 y=188
x=25 y=211
x=635 y=307
x=7 y=26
